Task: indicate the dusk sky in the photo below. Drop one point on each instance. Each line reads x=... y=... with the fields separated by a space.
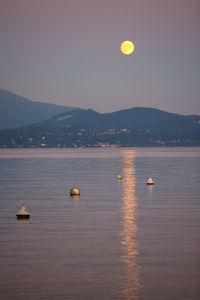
x=67 y=52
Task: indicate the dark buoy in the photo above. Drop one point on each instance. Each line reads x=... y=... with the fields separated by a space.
x=119 y=177
x=23 y=213
x=74 y=191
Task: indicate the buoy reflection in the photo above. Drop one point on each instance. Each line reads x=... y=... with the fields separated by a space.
x=128 y=234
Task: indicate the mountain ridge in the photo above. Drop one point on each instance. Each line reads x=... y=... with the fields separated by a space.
x=17 y=111
x=137 y=126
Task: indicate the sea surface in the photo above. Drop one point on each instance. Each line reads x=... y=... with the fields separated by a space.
x=120 y=239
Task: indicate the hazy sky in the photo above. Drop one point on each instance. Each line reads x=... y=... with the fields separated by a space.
x=68 y=52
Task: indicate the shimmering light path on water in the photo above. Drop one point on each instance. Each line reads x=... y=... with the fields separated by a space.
x=119 y=240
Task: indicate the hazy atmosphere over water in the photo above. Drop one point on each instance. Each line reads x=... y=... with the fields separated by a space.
x=68 y=52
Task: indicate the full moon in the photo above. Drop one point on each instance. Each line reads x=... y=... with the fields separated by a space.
x=127 y=47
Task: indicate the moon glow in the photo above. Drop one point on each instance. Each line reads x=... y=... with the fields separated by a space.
x=127 y=47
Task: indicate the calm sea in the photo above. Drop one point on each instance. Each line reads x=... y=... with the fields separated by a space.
x=120 y=239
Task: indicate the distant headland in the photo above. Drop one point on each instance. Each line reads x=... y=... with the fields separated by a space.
x=29 y=124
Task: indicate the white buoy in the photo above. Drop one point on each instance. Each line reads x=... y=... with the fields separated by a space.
x=74 y=191
x=23 y=213
x=150 y=181
x=119 y=176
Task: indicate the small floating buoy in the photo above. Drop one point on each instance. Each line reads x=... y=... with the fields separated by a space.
x=150 y=181
x=74 y=191
x=119 y=176
x=23 y=213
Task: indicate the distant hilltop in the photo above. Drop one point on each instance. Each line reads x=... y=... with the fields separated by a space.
x=133 y=127
x=17 y=111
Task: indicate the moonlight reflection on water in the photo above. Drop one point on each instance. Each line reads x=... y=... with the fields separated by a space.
x=128 y=235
